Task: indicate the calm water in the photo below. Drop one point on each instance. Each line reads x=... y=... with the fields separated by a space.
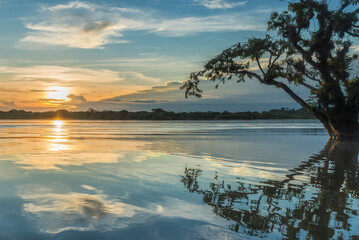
x=176 y=180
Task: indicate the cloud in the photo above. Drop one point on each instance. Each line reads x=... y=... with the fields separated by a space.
x=53 y=73
x=76 y=99
x=138 y=78
x=162 y=93
x=355 y=48
x=75 y=76
x=76 y=24
x=215 y=23
x=219 y=4
x=52 y=100
x=145 y=101
x=43 y=91
x=85 y=25
x=230 y=96
x=161 y=62
x=8 y=103
x=10 y=90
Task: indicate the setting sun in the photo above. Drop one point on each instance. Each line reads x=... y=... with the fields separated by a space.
x=58 y=93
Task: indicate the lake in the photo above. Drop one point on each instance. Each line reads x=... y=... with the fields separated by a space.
x=256 y=179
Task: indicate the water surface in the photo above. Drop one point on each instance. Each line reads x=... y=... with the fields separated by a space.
x=174 y=180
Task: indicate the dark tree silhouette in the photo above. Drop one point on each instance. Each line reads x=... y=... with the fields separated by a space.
x=308 y=46
x=155 y=114
x=285 y=206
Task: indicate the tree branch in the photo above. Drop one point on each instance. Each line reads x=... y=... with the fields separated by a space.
x=293 y=95
x=305 y=54
x=308 y=86
x=259 y=65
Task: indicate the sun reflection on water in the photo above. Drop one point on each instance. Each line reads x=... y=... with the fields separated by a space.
x=59 y=137
x=58 y=122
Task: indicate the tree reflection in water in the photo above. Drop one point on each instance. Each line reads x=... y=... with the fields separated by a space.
x=320 y=208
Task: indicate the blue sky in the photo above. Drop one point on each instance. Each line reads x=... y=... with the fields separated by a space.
x=126 y=54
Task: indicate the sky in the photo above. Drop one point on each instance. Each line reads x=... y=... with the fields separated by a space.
x=126 y=54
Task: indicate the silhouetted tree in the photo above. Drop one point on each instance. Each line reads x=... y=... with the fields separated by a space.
x=309 y=46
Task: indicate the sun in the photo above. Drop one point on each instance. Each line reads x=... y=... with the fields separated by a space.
x=58 y=93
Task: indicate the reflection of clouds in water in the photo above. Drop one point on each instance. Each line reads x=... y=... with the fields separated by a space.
x=249 y=171
x=51 y=162
x=54 y=153
x=176 y=208
x=213 y=232
x=96 y=211
x=77 y=211
x=58 y=147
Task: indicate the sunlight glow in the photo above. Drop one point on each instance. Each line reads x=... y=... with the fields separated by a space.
x=58 y=147
x=58 y=123
x=58 y=142
x=58 y=93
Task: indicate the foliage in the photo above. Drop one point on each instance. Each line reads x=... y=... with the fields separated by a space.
x=309 y=46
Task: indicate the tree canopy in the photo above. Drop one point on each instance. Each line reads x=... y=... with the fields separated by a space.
x=308 y=45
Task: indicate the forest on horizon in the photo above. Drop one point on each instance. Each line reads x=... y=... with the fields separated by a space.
x=156 y=114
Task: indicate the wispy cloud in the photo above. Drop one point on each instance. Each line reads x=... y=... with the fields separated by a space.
x=85 y=25
x=75 y=76
x=42 y=91
x=167 y=68
x=215 y=23
x=78 y=75
x=355 y=48
x=8 y=103
x=220 y=4
x=167 y=92
x=53 y=73
x=138 y=78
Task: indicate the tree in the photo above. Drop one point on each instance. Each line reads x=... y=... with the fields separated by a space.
x=308 y=46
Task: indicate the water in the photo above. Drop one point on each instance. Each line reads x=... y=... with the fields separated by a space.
x=176 y=180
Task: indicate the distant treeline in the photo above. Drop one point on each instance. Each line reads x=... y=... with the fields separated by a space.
x=156 y=114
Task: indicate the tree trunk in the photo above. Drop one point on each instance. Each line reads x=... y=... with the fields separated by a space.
x=342 y=126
